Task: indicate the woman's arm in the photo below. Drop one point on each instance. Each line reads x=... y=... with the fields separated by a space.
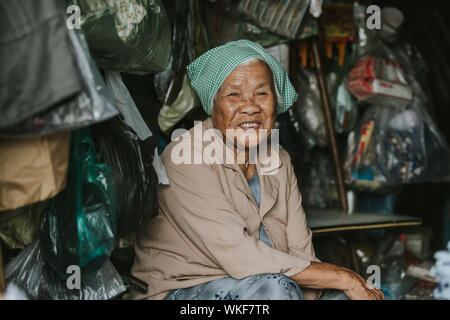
x=321 y=275
x=196 y=206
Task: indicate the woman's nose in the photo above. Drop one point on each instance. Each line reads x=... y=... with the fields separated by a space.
x=249 y=106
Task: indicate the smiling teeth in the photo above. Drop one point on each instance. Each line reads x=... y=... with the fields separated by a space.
x=249 y=125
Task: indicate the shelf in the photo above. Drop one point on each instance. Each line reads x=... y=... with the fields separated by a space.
x=334 y=220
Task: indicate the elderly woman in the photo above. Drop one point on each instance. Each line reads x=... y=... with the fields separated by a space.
x=230 y=230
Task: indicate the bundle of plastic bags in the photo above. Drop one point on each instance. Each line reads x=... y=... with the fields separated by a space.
x=127 y=35
x=91 y=105
x=29 y=271
x=133 y=176
x=19 y=228
x=308 y=109
x=37 y=54
x=395 y=146
x=282 y=17
x=79 y=224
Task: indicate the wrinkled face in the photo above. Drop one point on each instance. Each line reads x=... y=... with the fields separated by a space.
x=244 y=107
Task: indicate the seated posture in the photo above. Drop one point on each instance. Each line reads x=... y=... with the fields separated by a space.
x=231 y=223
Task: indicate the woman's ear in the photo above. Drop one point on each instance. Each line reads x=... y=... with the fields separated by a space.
x=214 y=113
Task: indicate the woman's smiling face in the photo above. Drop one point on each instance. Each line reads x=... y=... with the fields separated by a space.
x=245 y=104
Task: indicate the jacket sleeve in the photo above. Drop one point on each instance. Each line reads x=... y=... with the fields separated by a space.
x=196 y=205
x=298 y=233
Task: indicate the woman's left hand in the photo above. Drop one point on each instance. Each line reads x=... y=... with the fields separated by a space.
x=360 y=289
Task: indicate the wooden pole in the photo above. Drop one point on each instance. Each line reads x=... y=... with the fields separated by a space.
x=329 y=126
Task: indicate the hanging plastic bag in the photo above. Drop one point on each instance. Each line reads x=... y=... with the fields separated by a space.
x=29 y=271
x=290 y=137
x=127 y=35
x=32 y=169
x=19 y=228
x=183 y=51
x=308 y=109
x=78 y=225
x=94 y=104
x=396 y=146
x=282 y=17
x=133 y=176
x=318 y=185
x=343 y=104
x=126 y=105
x=171 y=114
x=38 y=69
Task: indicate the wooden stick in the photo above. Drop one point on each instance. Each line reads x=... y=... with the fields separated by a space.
x=329 y=126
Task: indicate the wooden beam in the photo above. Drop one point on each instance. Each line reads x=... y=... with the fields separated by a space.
x=329 y=125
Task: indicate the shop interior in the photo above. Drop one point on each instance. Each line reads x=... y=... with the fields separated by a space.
x=80 y=170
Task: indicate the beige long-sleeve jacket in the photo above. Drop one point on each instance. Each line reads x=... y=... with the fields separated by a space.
x=208 y=226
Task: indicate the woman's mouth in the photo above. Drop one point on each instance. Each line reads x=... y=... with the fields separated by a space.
x=250 y=125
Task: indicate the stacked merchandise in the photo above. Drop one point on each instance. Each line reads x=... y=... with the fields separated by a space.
x=80 y=167
x=375 y=80
x=396 y=141
x=281 y=17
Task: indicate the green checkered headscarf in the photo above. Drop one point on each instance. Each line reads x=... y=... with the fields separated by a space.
x=209 y=71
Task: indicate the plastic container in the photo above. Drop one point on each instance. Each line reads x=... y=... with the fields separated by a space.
x=394 y=281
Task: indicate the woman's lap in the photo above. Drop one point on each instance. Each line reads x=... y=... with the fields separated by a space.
x=256 y=287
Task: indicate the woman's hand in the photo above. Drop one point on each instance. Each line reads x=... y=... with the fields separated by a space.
x=360 y=289
x=322 y=275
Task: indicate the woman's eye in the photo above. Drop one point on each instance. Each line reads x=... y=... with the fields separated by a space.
x=261 y=93
x=233 y=94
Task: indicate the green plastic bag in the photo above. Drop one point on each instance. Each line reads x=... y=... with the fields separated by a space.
x=79 y=224
x=132 y=36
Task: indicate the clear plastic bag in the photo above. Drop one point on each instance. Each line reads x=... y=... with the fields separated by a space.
x=79 y=224
x=127 y=35
x=318 y=186
x=29 y=271
x=343 y=104
x=308 y=109
x=379 y=81
x=94 y=104
x=395 y=146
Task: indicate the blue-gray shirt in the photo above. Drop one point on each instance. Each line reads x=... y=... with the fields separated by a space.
x=256 y=190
